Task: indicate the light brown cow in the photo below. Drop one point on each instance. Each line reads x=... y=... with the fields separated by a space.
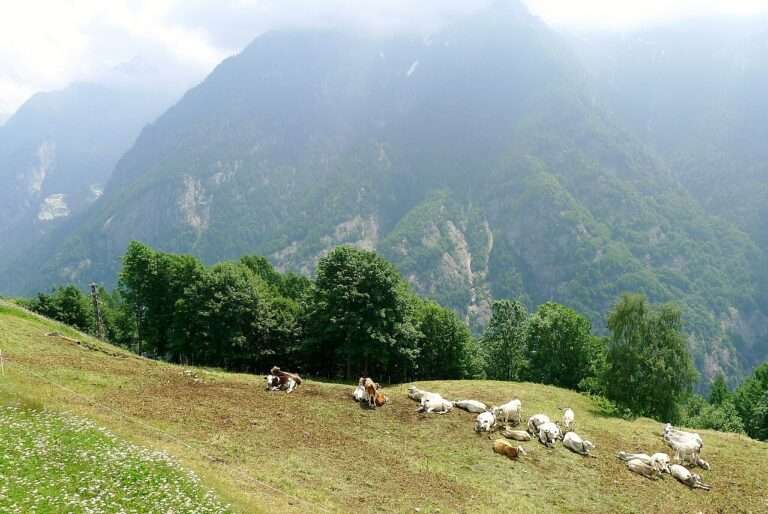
x=503 y=447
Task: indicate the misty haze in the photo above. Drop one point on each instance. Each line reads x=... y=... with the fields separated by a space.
x=384 y=256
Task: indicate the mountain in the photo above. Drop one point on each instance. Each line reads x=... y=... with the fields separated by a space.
x=57 y=152
x=478 y=159
x=695 y=92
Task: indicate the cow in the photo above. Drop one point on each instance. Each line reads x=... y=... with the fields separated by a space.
x=517 y=435
x=472 y=406
x=569 y=418
x=687 y=446
x=359 y=394
x=281 y=383
x=534 y=422
x=692 y=480
x=282 y=380
x=671 y=433
x=503 y=447
x=660 y=461
x=644 y=469
x=414 y=393
x=549 y=433
x=511 y=410
x=576 y=444
x=436 y=404
x=485 y=422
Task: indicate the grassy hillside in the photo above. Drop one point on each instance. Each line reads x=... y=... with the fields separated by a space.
x=318 y=446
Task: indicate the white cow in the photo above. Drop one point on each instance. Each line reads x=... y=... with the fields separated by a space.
x=641 y=468
x=510 y=411
x=659 y=461
x=569 y=420
x=473 y=406
x=687 y=446
x=517 y=435
x=549 y=433
x=576 y=444
x=535 y=421
x=359 y=393
x=692 y=480
x=436 y=404
x=414 y=393
x=485 y=422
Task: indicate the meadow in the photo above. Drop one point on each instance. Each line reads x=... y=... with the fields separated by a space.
x=318 y=451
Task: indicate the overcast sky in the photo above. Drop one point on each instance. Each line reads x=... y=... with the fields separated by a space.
x=47 y=44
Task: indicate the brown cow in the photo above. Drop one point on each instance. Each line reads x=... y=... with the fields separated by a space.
x=282 y=380
x=373 y=393
x=503 y=447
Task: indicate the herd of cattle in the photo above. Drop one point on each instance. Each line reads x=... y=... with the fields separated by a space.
x=686 y=446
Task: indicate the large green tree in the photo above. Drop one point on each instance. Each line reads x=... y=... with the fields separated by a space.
x=648 y=365
x=151 y=282
x=361 y=315
x=559 y=344
x=751 y=400
x=446 y=348
x=504 y=341
x=230 y=317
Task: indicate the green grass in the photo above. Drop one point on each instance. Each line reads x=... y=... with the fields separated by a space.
x=326 y=453
x=56 y=463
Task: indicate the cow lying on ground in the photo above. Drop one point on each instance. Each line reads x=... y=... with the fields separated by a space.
x=644 y=469
x=535 y=421
x=659 y=461
x=485 y=422
x=503 y=447
x=692 y=480
x=282 y=380
x=517 y=435
x=576 y=444
x=414 y=393
x=510 y=411
x=435 y=404
x=473 y=406
x=549 y=433
x=278 y=380
x=359 y=394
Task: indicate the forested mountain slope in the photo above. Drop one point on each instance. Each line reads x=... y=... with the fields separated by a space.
x=476 y=159
x=57 y=152
x=695 y=91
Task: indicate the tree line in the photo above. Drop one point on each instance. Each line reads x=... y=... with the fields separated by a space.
x=358 y=316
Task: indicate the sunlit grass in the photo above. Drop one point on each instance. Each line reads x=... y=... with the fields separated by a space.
x=58 y=463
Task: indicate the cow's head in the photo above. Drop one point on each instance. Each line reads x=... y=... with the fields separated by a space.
x=272 y=381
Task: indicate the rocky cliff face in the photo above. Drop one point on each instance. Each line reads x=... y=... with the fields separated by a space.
x=57 y=153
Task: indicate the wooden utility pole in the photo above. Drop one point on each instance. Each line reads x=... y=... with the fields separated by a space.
x=97 y=311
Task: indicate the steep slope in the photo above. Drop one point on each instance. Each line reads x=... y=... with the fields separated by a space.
x=316 y=449
x=695 y=90
x=57 y=152
x=474 y=158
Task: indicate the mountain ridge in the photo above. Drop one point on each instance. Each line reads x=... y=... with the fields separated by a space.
x=477 y=161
